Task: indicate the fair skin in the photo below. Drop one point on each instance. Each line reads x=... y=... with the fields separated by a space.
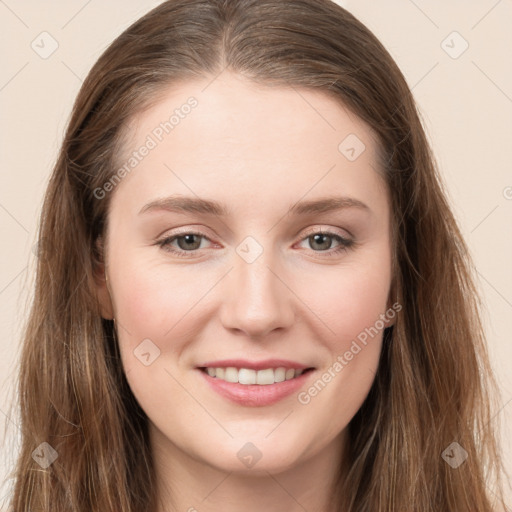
x=258 y=151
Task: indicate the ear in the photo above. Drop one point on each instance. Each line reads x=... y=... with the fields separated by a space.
x=101 y=281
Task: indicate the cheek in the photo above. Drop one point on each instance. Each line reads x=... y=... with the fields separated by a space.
x=151 y=299
x=351 y=302
x=351 y=306
x=151 y=319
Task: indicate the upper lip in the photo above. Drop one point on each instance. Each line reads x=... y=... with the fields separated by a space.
x=254 y=365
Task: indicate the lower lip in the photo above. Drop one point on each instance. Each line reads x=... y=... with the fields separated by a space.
x=255 y=395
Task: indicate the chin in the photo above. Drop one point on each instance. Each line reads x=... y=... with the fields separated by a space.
x=252 y=456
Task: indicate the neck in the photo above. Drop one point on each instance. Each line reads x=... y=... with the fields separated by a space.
x=187 y=484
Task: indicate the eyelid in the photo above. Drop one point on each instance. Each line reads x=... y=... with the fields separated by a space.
x=190 y=230
x=325 y=231
x=184 y=230
x=344 y=244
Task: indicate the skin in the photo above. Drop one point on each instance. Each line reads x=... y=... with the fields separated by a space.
x=258 y=150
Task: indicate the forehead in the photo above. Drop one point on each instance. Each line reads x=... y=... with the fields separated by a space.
x=236 y=140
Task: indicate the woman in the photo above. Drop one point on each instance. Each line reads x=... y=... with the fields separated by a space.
x=252 y=291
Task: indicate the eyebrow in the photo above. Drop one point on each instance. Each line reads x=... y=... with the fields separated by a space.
x=209 y=207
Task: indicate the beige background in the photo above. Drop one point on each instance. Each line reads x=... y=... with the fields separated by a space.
x=466 y=103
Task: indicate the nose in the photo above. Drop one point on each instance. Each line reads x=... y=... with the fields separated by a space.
x=257 y=299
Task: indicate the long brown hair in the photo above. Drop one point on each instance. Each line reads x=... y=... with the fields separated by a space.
x=434 y=384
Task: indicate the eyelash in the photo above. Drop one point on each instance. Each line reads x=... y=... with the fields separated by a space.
x=345 y=243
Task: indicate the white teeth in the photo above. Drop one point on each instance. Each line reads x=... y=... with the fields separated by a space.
x=247 y=376
x=231 y=374
x=290 y=373
x=279 y=374
x=264 y=376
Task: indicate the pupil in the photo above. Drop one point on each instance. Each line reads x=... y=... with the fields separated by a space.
x=188 y=240
x=321 y=236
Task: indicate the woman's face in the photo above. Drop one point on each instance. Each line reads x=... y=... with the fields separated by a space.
x=216 y=263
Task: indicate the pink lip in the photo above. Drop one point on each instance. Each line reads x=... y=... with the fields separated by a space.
x=254 y=365
x=255 y=395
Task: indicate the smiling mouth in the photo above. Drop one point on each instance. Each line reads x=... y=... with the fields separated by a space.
x=248 y=376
